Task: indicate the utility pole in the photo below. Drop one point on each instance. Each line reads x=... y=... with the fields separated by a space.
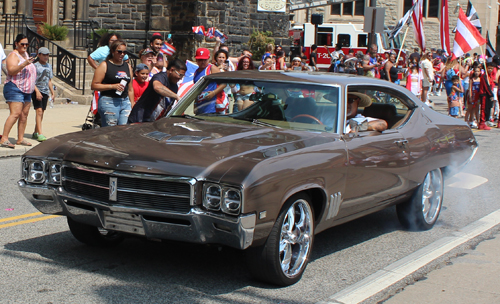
x=372 y=38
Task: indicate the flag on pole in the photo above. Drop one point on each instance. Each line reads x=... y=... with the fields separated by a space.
x=199 y=30
x=168 y=49
x=467 y=36
x=221 y=36
x=444 y=27
x=490 y=51
x=418 y=25
x=472 y=16
x=405 y=20
x=210 y=33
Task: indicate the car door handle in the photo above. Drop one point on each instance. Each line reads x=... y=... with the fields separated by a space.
x=401 y=143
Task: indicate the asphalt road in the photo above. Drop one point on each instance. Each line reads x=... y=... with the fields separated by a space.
x=41 y=262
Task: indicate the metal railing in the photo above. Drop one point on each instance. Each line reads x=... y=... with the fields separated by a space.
x=14 y=24
x=84 y=35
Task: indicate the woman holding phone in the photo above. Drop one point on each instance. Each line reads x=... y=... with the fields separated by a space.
x=19 y=85
x=221 y=60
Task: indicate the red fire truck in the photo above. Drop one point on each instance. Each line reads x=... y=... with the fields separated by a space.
x=350 y=36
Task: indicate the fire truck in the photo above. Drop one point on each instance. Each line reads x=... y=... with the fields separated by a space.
x=350 y=36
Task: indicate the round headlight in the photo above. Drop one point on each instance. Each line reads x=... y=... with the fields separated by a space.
x=212 y=197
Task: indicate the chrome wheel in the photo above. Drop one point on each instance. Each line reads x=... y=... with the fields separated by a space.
x=432 y=196
x=295 y=240
x=422 y=210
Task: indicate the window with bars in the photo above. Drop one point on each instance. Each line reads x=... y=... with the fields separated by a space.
x=430 y=8
x=355 y=8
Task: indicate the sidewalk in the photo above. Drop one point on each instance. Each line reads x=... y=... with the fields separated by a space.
x=61 y=119
x=471 y=278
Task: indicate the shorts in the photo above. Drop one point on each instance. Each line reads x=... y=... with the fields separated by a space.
x=39 y=103
x=426 y=83
x=12 y=93
x=454 y=111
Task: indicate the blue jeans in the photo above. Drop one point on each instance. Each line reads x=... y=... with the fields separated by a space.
x=114 y=111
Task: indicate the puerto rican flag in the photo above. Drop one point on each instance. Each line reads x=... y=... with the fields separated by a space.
x=199 y=30
x=221 y=36
x=167 y=48
x=467 y=36
x=210 y=33
x=186 y=83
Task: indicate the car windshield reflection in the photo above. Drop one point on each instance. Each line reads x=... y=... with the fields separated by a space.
x=283 y=105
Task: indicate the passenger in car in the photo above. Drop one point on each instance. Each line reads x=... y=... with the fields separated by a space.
x=355 y=100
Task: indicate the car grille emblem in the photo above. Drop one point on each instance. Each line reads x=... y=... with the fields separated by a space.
x=113 y=183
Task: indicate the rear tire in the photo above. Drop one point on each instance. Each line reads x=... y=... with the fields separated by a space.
x=284 y=257
x=94 y=236
x=422 y=210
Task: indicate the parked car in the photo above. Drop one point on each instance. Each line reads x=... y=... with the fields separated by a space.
x=263 y=173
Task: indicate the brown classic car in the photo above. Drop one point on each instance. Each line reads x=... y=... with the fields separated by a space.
x=269 y=162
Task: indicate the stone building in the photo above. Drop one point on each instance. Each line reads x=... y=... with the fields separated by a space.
x=488 y=12
x=136 y=20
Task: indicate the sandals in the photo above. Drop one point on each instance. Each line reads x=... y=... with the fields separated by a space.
x=7 y=144
x=24 y=143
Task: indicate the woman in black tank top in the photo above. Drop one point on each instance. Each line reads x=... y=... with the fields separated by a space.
x=112 y=79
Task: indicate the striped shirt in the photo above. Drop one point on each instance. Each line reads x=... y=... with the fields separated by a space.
x=24 y=80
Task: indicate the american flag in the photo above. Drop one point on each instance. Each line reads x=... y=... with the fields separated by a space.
x=168 y=49
x=200 y=30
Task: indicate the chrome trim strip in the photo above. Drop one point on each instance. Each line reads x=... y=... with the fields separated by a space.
x=84 y=183
x=151 y=192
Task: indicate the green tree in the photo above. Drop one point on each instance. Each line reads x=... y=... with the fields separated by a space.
x=258 y=42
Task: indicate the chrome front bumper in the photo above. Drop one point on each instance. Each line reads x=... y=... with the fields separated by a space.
x=196 y=226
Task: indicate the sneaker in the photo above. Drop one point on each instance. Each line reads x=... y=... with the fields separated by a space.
x=438 y=93
x=490 y=124
x=34 y=136
x=41 y=137
x=473 y=125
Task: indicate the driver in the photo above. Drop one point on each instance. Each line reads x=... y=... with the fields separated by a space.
x=355 y=100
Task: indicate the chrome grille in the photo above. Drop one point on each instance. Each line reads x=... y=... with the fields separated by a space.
x=139 y=191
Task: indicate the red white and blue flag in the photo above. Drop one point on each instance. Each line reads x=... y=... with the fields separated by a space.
x=210 y=33
x=187 y=83
x=221 y=36
x=467 y=36
x=199 y=30
x=168 y=49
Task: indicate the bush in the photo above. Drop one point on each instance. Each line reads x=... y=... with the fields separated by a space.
x=258 y=42
x=54 y=32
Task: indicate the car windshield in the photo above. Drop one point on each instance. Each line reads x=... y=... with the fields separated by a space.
x=266 y=103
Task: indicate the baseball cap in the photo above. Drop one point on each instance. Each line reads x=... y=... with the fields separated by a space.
x=141 y=66
x=43 y=50
x=146 y=51
x=202 y=53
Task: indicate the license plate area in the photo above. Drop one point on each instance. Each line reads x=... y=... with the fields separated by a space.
x=124 y=222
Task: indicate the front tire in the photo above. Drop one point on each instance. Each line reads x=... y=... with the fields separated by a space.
x=94 y=236
x=422 y=210
x=284 y=257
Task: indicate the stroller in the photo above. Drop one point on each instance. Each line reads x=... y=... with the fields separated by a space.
x=93 y=119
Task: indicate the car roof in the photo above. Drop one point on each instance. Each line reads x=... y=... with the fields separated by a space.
x=303 y=76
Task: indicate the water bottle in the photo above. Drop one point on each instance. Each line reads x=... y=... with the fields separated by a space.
x=123 y=83
x=51 y=103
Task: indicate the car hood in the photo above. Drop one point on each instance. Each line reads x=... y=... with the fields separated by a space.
x=177 y=146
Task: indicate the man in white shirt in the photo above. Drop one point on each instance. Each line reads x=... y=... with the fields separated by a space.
x=355 y=100
x=428 y=72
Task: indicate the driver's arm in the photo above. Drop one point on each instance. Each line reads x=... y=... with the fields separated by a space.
x=379 y=125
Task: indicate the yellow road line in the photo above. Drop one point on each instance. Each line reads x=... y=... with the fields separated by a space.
x=19 y=217
x=28 y=221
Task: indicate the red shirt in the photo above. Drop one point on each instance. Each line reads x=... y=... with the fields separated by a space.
x=139 y=88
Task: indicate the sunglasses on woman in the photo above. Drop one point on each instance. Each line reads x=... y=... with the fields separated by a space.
x=24 y=44
x=121 y=52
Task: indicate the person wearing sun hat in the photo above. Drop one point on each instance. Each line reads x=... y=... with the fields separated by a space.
x=213 y=99
x=357 y=100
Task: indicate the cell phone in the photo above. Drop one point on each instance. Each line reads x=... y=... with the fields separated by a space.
x=33 y=55
x=226 y=62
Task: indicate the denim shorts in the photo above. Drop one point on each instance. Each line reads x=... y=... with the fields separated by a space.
x=11 y=93
x=114 y=110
